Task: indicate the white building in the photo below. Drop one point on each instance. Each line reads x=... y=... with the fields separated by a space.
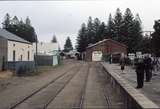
x=47 y=49
x=14 y=49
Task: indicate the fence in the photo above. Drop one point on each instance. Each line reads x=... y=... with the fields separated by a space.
x=21 y=66
x=44 y=60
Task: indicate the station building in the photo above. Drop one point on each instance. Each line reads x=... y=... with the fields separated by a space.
x=105 y=48
x=15 y=52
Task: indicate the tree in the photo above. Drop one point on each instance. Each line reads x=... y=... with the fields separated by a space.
x=28 y=21
x=82 y=39
x=19 y=28
x=6 y=21
x=137 y=36
x=128 y=23
x=118 y=23
x=21 y=22
x=90 y=31
x=15 y=21
x=54 y=39
x=128 y=33
x=156 y=38
x=68 y=45
x=96 y=26
x=102 y=31
x=110 y=28
x=146 y=45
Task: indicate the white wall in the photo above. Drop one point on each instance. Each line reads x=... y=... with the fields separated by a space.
x=20 y=49
x=45 y=48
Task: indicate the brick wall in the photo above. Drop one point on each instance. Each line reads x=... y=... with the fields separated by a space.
x=114 y=47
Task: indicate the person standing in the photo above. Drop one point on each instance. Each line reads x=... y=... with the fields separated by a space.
x=148 y=68
x=110 y=59
x=140 y=72
x=122 y=63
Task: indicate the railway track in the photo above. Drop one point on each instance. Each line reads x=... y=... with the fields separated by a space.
x=45 y=107
x=105 y=92
x=75 y=80
x=45 y=86
x=77 y=86
x=84 y=89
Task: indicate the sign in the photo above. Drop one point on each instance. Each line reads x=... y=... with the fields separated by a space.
x=97 y=56
x=139 y=54
x=131 y=56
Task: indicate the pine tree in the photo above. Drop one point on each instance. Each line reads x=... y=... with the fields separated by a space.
x=118 y=23
x=28 y=22
x=96 y=27
x=21 y=22
x=82 y=39
x=68 y=45
x=15 y=21
x=156 y=38
x=128 y=33
x=21 y=29
x=110 y=28
x=54 y=39
x=6 y=22
x=136 y=35
x=145 y=46
x=90 y=31
x=102 y=31
x=127 y=27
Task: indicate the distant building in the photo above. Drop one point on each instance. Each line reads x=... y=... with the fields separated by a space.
x=71 y=54
x=106 y=47
x=14 y=51
x=47 y=53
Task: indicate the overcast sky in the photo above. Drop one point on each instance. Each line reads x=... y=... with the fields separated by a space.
x=64 y=18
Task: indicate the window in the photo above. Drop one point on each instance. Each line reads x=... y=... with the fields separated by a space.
x=14 y=45
x=14 y=55
x=28 y=55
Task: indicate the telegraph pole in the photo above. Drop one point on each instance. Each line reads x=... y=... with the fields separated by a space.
x=36 y=66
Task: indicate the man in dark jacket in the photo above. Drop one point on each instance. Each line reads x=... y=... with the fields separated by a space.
x=140 y=72
x=148 y=68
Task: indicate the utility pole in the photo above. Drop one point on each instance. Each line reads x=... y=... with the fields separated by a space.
x=36 y=65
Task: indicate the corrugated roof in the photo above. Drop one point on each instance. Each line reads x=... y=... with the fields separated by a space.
x=104 y=41
x=10 y=36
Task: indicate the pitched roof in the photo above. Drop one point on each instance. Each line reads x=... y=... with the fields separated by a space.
x=10 y=36
x=90 y=46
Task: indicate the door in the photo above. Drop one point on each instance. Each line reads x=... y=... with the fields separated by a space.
x=97 y=56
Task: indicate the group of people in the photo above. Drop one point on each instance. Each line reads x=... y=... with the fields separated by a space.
x=143 y=69
x=143 y=66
